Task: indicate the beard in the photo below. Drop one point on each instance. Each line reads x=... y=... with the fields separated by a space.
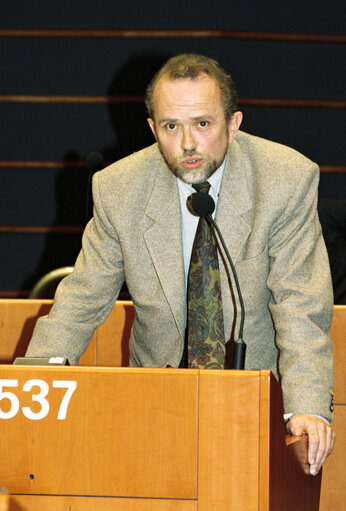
x=202 y=173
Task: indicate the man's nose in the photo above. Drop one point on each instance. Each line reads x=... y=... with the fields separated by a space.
x=188 y=142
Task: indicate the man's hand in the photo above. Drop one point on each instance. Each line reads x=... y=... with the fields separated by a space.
x=321 y=438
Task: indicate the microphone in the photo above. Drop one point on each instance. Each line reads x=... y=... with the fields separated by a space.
x=202 y=204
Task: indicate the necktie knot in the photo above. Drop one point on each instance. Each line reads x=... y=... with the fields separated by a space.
x=202 y=187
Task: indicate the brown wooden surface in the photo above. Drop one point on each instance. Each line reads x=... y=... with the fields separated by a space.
x=17 y=319
x=4 y=502
x=280 y=469
x=149 y=434
x=338 y=334
x=77 y=164
x=128 y=433
x=229 y=442
x=333 y=490
x=288 y=468
x=113 y=336
x=172 y=34
x=244 y=101
x=43 y=503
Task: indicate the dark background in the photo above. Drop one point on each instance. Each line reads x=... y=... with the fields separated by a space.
x=100 y=75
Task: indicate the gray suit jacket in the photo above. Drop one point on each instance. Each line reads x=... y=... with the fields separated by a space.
x=267 y=214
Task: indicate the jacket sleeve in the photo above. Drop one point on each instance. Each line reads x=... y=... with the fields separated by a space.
x=302 y=302
x=84 y=299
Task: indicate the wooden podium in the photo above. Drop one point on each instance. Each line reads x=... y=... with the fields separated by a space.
x=128 y=439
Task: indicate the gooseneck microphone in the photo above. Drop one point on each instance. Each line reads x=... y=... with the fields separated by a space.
x=202 y=204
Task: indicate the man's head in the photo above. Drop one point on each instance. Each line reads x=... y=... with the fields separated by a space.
x=191 y=65
x=193 y=115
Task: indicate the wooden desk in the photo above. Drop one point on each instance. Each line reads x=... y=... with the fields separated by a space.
x=159 y=439
x=18 y=317
x=333 y=492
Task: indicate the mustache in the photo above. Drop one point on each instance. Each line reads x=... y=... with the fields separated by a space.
x=191 y=154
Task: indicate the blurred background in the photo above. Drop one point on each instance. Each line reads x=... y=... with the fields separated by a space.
x=72 y=79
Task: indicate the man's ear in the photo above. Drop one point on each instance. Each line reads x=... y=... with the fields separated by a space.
x=234 y=125
x=152 y=127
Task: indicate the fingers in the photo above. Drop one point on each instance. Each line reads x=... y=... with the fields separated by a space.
x=329 y=444
x=320 y=435
x=294 y=427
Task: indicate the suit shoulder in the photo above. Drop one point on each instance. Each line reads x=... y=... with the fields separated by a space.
x=274 y=156
x=128 y=181
x=274 y=170
x=137 y=166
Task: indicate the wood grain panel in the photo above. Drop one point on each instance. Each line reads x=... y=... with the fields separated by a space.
x=108 y=347
x=19 y=316
x=288 y=467
x=131 y=433
x=17 y=321
x=243 y=101
x=338 y=334
x=51 y=164
x=113 y=336
x=4 y=502
x=41 y=229
x=264 y=442
x=228 y=441
x=14 y=293
x=146 y=447
x=41 y=503
x=69 y=99
x=42 y=164
x=333 y=491
x=177 y=34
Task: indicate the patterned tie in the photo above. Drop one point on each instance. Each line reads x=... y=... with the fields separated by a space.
x=205 y=330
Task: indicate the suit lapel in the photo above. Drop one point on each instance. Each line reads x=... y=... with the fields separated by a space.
x=233 y=204
x=234 y=201
x=164 y=241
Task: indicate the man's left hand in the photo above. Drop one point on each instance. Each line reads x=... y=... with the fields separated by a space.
x=321 y=438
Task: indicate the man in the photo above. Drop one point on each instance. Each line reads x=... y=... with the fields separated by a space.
x=143 y=232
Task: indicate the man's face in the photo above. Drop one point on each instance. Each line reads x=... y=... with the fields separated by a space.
x=190 y=127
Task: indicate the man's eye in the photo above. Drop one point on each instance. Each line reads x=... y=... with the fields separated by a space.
x=203 y=124
x=170 y=127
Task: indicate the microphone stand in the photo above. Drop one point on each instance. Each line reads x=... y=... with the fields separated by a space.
x=239 y=347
